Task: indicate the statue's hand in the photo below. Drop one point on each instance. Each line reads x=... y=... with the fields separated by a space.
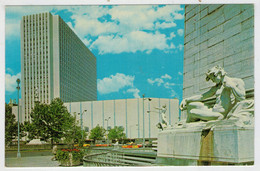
x=183 y=104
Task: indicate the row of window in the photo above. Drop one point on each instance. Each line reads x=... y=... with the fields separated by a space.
x=35 y=39
x=43 y=15
x=35 y=20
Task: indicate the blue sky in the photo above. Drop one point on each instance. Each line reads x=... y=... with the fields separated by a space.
x=139 y=48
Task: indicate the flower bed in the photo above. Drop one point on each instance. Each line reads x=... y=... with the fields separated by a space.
x=69 y=157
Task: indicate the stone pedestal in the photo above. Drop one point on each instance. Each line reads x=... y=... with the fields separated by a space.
x=220 y=145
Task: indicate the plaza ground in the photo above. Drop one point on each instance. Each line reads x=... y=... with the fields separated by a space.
x=35 y=161
x=30 y=159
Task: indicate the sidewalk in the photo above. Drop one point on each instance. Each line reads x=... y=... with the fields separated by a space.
x=35 y=161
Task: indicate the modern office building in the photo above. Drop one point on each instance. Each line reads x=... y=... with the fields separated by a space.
x=54 y=63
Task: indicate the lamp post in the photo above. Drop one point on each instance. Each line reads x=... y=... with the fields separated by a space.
x=143 y=123
x=149 y=112
x=81 y=122
x=18 y=88
x=107 y=127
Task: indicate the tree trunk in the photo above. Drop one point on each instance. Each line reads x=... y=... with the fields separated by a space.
x=51 y=143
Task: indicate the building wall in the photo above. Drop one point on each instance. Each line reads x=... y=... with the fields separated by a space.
x=217 y=35
x=127 y=113
x=35 y=60
x=55 y=61
x=76 y=71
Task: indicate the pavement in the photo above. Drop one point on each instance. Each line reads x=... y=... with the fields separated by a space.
x=35 y=161
x=36 y=158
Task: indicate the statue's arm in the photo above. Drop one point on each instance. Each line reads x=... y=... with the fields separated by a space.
x=197 y=98
x=237 y=87
x=203 y=96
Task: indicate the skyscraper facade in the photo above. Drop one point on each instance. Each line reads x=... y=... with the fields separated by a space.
x=54 y=63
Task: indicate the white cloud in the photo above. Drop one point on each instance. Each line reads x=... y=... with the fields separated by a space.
x=166 y=76
x=172 y=46
x=10 y=82
x=126 y=26
x=131 y=42
x=172 y=35
x=135 y=92
x=165 y=25
x=85 y=25
x=114 y=83
x=180 y=47
x=12 y=28
x=158 y=81
x=179 y=73
x=150 y=81
x=173 y=94
x=178 y=16
x=180 y=32
x=161 y=80
x=86 y=41
x=9 y=70
x=168 y=85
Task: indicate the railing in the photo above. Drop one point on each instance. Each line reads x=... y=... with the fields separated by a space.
x=112 y=157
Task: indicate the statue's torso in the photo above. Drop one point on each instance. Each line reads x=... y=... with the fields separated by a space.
x=224 y=100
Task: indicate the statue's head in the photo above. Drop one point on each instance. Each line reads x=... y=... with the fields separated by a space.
x=215 y=74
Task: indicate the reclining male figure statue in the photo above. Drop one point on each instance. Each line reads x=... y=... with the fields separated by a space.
x=228 y=91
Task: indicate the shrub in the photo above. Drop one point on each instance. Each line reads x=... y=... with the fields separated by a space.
x=63 y=154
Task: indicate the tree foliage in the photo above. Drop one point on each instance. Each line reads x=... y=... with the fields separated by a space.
x=97 y=133
x=11 y=126
x=50 y=121
x=116 y=133
x=74 y=134
x=30 y=130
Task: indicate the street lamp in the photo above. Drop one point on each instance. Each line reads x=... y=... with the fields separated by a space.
x=143 y=122
x=18 y=88
x=107 y=127
x=81 y=122
x=149 y=112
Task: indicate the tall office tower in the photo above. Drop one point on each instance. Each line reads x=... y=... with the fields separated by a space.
x=54 y=63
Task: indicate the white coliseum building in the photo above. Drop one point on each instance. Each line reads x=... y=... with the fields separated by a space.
x=127 y=113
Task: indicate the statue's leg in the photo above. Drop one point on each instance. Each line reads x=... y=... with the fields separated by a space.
x=164 y=120
x=205 y=114
x=194 y=105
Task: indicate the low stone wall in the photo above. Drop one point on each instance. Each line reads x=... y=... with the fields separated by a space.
x=24 y=147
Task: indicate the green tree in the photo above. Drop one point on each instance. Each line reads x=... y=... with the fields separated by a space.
x=10 y=125
x=116 y=133
x=51 y=121
x=74 y=134
x=97 y=133
x=30 y=130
